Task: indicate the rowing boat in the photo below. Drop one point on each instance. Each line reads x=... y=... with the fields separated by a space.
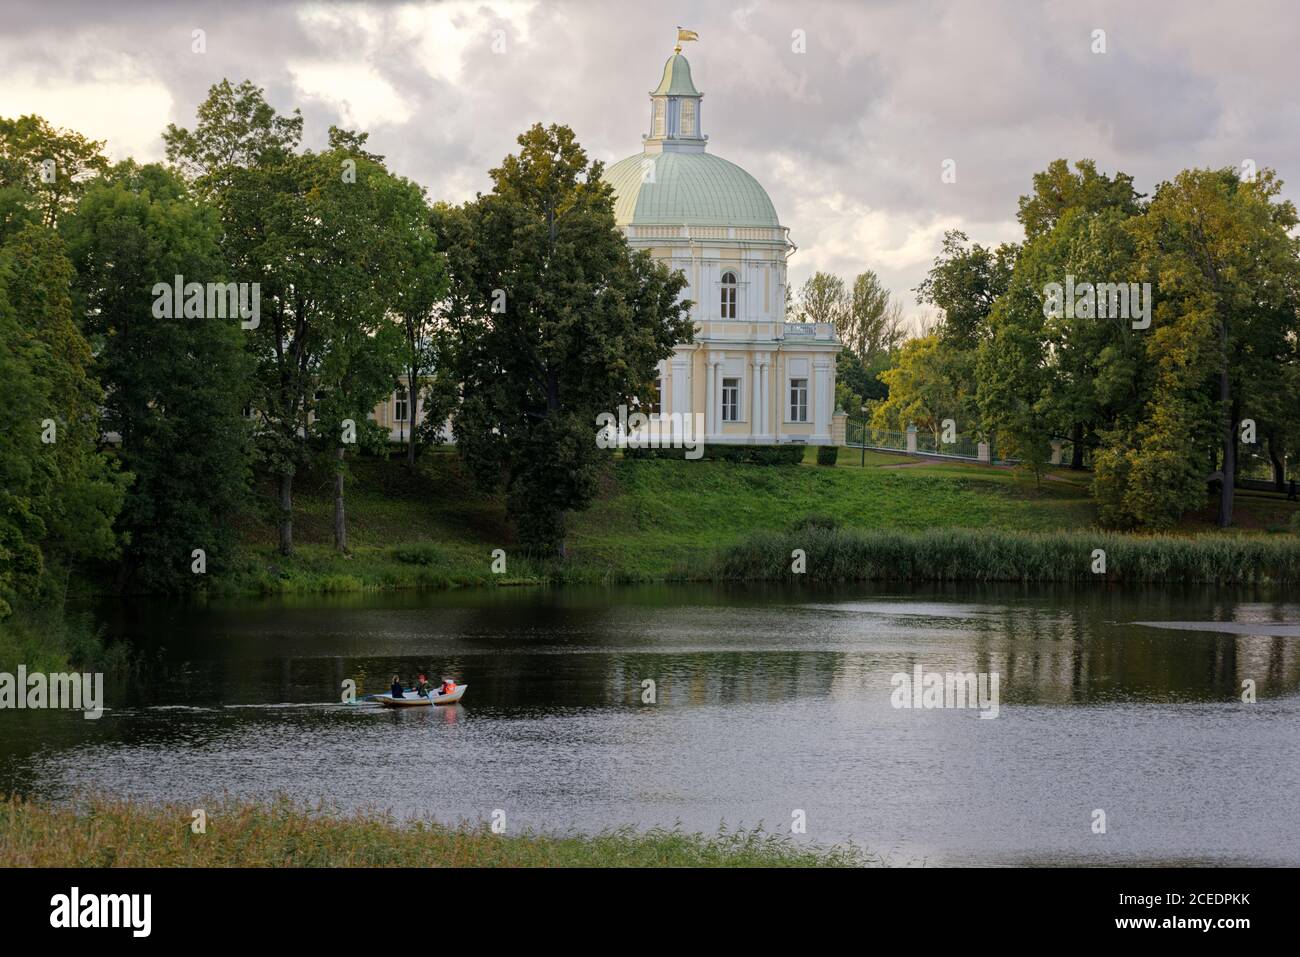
x=412 y=700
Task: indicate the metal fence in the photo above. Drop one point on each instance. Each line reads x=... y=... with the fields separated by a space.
x=857 y=435
x=965 y=448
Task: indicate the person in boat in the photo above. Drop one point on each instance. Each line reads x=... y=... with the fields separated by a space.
x=447 y=687
x=422 y=686
x=396 y=690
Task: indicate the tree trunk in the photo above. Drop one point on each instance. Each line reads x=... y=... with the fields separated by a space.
x=340 y=517
x=1279 y=470
x=1229 y=450
x=411 y=400
x=286 y=513
x=1076 y=440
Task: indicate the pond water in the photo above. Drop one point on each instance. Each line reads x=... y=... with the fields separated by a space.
x=770 y=704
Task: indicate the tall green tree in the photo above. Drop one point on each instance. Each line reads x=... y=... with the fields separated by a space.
x=176 y=387
x=925 y=388
x=1228 y=271
x=60 y=492
x=420 y=290
x=315 y=230
x=1049 y=375
x=871 y=323
x=823 y=298
x=964 y=282
x=556 y=322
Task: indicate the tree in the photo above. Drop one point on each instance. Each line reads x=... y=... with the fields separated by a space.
x=923 y=389
x=60 y=493
x=1057 y=191
x=1013 y=370
x=237 y=129
x=823 y=298
x=1073 y=223
x=858 y=383
x=871 y=323
x=315 y=231
x=176 y=387
x=359 y=369
x=1228 y=271
x=421 y=287
x=555 y=322
x=1071 y=373
x=24 y=477
x=964 y=283
x=48 y=167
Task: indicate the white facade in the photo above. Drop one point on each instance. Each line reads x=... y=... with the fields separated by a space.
x=755 y=377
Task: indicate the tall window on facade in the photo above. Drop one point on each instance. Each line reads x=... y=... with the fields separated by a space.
x=728 y=295
x=400 y=405
x=659 y=118
x=730 y=400
x=688 y=117
x=798 y=400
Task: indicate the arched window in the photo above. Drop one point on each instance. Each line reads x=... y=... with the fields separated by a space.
x=688 y=117
x=728 y=295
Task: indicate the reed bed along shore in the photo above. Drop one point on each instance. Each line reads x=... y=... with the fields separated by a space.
x=991 y=555
x=107 y=832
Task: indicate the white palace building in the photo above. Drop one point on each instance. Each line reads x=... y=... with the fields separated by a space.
x=757 y=378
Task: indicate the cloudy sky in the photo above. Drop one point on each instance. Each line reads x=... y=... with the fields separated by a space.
x=849 y=135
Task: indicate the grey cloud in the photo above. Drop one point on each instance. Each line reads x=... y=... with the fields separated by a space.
x=885 y=92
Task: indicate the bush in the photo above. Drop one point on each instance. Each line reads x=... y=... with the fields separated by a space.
x=828 y=454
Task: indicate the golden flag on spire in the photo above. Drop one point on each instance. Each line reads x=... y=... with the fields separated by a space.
x=684 y=35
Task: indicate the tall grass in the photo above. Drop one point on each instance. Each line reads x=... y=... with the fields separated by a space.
x=954 y=554
x=106 y=832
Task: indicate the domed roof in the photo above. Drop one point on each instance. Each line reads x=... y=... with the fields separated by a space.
x=692 y=189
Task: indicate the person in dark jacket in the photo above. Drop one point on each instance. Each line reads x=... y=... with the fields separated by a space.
x=422 y=686
x=396 y=690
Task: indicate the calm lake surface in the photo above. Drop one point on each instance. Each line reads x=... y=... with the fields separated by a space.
x=768 y=700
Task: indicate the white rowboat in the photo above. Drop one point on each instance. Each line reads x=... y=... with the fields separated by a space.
x=413 y=700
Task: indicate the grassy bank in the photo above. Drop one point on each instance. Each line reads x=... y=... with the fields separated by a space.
x=113 y=833
x=994 y=555
x=657 y=520
x=653 y=520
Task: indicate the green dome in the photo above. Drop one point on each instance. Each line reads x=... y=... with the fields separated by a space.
x=689 y=188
